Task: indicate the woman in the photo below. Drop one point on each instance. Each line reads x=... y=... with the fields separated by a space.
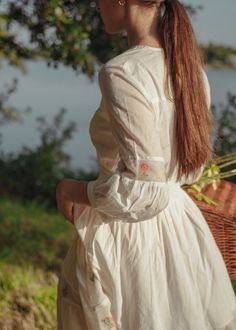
x=143 y=257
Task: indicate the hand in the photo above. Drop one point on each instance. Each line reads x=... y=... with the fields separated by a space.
x=65 y=192
x=69 y=193
x=66 y=208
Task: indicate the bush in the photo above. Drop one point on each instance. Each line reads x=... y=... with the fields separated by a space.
x=34 y=174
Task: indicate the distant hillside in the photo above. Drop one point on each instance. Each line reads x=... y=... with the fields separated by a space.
x=219 y=56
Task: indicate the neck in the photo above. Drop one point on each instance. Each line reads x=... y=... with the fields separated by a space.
x=141 y=25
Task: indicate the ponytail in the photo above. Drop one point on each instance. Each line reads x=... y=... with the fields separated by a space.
x=184 y=63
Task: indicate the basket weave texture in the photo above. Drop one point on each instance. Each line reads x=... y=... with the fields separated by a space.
x=221 y=219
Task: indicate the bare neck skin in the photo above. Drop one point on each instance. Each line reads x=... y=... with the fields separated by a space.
x=138 y=21
x=141 y=25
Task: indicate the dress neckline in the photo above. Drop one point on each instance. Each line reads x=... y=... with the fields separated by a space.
x=145 y=46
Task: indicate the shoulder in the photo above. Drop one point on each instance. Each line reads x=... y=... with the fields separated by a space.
x=127 y=68
x=128 y=57
x=128 y=65
x=119 y=65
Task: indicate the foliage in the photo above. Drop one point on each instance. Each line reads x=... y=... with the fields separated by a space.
x=225 y=128
x=34 y=174
x=212 y=174
x=8 y=113
x=214 y=52
x=61 y=32
x=223 y=164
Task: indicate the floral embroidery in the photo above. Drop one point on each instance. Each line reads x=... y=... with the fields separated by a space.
x=144 y=168
x=108 y=321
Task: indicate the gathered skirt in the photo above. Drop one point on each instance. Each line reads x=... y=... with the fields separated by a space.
x=165 y=273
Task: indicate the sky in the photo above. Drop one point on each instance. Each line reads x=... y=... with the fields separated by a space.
x=216 y=22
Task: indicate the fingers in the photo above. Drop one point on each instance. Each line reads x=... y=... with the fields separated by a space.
x=64 y=194
x=66 y=208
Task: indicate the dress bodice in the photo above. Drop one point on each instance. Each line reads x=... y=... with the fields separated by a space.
x=149 y=72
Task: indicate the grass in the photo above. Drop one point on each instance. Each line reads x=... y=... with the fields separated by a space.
x=27 y=298
x=30 y=235
x=33 y=243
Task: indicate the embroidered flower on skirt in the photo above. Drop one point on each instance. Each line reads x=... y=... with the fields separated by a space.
x=109 y=322
x=144 y=168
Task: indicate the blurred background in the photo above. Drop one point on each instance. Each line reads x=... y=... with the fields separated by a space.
x=50 y=55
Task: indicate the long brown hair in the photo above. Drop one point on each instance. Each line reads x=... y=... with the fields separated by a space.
x=184 y=64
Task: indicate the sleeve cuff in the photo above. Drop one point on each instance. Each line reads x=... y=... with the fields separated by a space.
x=90 y=195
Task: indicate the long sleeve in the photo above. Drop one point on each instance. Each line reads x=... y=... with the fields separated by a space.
x=138 y=190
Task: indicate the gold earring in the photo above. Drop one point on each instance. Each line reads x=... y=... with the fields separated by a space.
x=121 y=3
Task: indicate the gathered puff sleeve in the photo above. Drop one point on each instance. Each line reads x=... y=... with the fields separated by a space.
x=138 y=190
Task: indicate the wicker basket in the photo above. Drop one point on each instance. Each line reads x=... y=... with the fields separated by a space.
x=221 y=219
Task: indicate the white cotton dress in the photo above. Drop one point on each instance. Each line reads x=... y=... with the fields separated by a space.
x=143 y=256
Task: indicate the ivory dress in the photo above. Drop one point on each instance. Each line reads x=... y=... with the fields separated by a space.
x=143 y=256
